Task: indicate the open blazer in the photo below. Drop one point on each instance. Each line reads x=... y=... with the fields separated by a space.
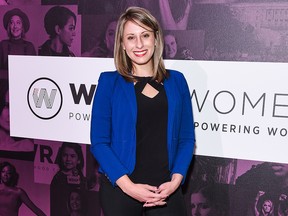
x=113 y=125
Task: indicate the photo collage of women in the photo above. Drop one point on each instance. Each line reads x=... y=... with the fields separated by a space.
x=60 y=178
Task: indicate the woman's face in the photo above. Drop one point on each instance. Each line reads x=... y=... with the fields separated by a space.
x=139 y=44
x=267 y=206
x=110 y=36
x=67 y=33
x=75 y=201
x=170 y=46
x=16 y=27
x=6 y=174
x=200 y=206
x=4 y=115
x=70 y=158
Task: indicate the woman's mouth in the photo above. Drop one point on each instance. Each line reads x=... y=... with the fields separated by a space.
x=140 y=53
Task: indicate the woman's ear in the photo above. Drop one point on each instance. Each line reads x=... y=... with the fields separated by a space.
x=57 y=29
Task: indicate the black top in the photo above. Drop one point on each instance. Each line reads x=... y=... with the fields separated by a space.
x=45 y=50
x=151 y=135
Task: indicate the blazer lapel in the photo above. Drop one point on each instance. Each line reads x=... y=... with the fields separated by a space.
x=129 y=92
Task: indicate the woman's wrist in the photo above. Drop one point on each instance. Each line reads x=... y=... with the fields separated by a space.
x=177 y=179
x=124 y=183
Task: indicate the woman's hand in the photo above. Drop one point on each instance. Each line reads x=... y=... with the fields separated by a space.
x=166 y=189
x=141 y=192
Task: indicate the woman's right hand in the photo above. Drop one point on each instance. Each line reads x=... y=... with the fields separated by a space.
x=142 y=192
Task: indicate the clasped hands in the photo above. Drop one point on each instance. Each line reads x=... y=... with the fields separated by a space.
x=147 y=194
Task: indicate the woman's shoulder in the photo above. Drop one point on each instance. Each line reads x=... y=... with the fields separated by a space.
x=16 y=190
x=109 y=76
x=175 y=74
x=29 y=43
x=4 y=42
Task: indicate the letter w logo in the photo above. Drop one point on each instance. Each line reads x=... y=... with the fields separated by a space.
x=38 y=97
x=82 y=92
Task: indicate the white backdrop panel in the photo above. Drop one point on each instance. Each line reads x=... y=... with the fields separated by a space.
x=240 y=108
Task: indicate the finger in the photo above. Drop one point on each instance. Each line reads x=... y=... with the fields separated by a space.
x=161 y=203
x=156 y=200
x=151 y=188
x=152 y=204
x=147 y=204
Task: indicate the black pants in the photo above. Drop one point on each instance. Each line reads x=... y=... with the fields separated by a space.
x=115 y=202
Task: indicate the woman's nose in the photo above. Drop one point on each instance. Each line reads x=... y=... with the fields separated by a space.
x=196 y=212
x=139 y=43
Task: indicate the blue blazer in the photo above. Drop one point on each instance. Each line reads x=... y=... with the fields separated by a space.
x=113 y=125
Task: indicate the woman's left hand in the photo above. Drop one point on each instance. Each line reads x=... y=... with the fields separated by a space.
x=166 y=189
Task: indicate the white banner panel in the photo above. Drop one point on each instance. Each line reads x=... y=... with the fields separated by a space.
x=240 y=108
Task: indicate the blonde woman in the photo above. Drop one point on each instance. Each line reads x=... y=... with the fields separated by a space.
x=142 y=131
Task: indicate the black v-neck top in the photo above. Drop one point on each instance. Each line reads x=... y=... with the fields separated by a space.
x=151 y=135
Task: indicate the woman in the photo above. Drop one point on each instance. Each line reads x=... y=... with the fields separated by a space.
x=283 y=205
x=172 y=51
x=105 y=47
x=142 y=131
x=76 y=203
x=171 y=48
x=11 y=196
x=17 y=24
x=209 y=200
x=70 y=160
x=60 y=24
x=263 y=208
x=11 y=147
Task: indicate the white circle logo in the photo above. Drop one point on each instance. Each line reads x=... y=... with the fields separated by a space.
x=44 y=98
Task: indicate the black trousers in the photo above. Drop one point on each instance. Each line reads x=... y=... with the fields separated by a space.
x=115 y=202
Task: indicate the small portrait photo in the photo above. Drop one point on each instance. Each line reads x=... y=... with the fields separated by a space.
x=98 y=35
x=184 y=44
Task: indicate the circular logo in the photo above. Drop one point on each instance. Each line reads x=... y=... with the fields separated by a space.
x=44 y=98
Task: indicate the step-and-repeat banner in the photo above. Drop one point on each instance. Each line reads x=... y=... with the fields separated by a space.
x=240 y=108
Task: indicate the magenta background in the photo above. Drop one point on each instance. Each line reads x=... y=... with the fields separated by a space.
x=210 y=25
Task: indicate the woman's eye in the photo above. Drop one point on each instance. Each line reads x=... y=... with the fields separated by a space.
x=130 y=38
x=146 y=35
x=205 y=206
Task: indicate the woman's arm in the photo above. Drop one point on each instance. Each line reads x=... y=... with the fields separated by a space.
x=282 y=199
x=169 y=22
x=167 y=188
x=101 y=129
x=259 y=194
x=186 y=135
x=27 y=201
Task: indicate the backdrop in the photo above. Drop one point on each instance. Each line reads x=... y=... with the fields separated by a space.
x=233 y=54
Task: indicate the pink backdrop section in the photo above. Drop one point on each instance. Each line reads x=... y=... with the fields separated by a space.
x=37 y=34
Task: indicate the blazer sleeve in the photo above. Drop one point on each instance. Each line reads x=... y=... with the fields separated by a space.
x=186 y=136
x=101 y=127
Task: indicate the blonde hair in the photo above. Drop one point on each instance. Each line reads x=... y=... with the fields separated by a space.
x=123 y=63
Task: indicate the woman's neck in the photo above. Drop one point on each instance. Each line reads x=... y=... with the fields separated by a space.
x=56 y=45
x=142 y=71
